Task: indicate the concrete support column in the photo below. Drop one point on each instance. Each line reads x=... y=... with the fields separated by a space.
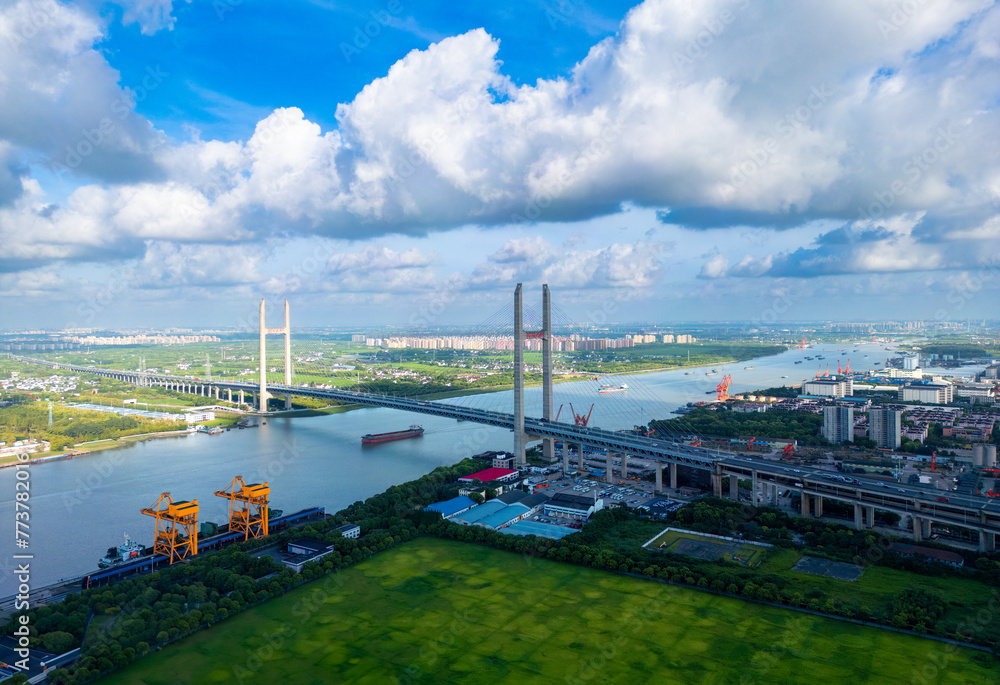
x=229 y=394
x=579 y=456
x=753 y=488
x=925 y=530
x=717 y=484
x=659 y=477
x=734 y=487
x=565 y=457
x=819 y=505
x=610 y=477
x=870 y=517
x=987 y=541
x=624 y=465
x=242 y=401
x=918 y=529
x=805 y=504
x=216 y=393
x=859 y=521
x=673 y=477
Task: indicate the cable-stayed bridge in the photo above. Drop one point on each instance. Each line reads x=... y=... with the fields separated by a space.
x=768 y=478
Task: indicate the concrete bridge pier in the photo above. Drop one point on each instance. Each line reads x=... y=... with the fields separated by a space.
x=229 y=394
x=734 y=487
x=216 y=393
x=672 y=467
x=921 y=528
x=241 y=398
x=818 y=505
x=579 y=456
x=624 y=465
x=805 y=505
x=659 y=477
x=754 y=497
x=859 y=517
x=987 y=541
x=716 y=484
x=565 y=457
x=610 y=477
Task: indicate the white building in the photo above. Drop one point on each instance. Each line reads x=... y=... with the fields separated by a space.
x=935 y=391
x=576 y=507
x=911 y=363
x=834 y=386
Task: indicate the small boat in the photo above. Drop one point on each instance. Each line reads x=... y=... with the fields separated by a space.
x=689 y=373
x=749 y=367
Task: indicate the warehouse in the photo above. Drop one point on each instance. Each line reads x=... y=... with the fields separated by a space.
x=452 y=507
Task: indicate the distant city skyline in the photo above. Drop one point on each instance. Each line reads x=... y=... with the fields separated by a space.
x=167 y=164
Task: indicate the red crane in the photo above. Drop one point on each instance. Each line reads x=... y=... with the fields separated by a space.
x=723 y=388
x=840 y=372
x=848 y=369
x=579 y=419
x=788 y=452
x=933 y=460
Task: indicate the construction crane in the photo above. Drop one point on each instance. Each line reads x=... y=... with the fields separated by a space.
x=933 y=460
x=788 y=452
x=176 y=527
x=247 y=507
x=580 y=419
x=753 y=439
x=723 y=388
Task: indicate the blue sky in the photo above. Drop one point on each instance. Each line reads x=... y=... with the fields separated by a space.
x=169 y=163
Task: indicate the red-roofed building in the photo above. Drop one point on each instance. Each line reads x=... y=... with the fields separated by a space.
x=487 y=475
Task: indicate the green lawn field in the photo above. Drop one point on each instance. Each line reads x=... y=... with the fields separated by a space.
x=435 y=611
x=705 y=547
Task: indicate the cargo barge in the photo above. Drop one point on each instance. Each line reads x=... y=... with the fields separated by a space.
x=375 y=438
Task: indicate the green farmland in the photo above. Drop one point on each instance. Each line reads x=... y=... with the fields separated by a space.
x=435 y=611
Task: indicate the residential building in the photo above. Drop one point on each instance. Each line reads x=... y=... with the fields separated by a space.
x=885 y=427
x=838 y=424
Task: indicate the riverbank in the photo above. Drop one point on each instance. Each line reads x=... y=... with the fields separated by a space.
x=93 y=446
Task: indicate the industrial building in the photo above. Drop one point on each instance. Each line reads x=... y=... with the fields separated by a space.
x=489 y=475
x=576 y=507
x=451 y=507
x=349 y=530
x=936 y=391
x=833 y=386
x=303 y=550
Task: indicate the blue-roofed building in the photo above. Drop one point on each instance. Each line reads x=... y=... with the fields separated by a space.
x=502 y=518
x=476 y=514
x=451 y=507
x=543 y=530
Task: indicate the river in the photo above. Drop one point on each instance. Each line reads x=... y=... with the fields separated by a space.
x=82 y=506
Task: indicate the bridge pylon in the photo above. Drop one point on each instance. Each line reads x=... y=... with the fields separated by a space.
x=520 y=335
x=263 y=394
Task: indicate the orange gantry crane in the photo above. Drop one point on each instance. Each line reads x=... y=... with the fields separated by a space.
x=723 y=388
x=580 y=419
x=247 y=507
x=176 y=527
